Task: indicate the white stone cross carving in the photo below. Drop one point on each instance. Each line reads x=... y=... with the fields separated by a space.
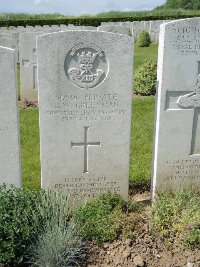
x=85 y=145
x=192 y=101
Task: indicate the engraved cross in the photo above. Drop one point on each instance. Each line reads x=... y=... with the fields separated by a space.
x=192 y=101
x=189 y=100
x=85 y=146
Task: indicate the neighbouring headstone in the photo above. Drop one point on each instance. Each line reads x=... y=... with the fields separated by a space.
x=10 y=169
x=10 y=42
x=6 y=41
x=85 y=96
x=155 y=30
x=137 y=27
x=83 y=28
x=177 y=130
x=114 y=29
x=28 y=66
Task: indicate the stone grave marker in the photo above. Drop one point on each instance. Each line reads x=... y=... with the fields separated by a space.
x=114 y=28
x=177 y=130
x=85 y=96
x=154 y=30
x=10 y=169
x=28 y=66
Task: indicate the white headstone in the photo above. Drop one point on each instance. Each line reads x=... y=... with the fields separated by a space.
x=177 y=132
x=10 y=170
x=28 y=66
x=137 y=27
x=155 y=30
x=6 y=42
x=73 y=27
x=85 y=96
x=29 y=28
x=115 y=29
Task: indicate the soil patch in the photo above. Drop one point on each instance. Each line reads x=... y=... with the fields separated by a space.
x=143 y=249
x=27 y=104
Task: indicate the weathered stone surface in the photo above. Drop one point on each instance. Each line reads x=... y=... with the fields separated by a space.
x=85 y=96
x=177 y=131
x=10 y=170
x=6 y=41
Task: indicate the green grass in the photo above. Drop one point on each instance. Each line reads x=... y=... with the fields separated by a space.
x=29 y=133
x=141 y=140
x=143 y=53
x=141 y=136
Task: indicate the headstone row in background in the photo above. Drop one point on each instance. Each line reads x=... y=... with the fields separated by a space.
x=23 y=40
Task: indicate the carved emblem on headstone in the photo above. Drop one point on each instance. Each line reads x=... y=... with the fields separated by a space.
x=86 y=65
x=191 y=100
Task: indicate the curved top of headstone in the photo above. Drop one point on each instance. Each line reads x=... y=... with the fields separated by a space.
x=86 y=63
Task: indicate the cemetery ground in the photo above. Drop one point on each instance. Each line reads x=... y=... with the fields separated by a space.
x=128 y=233
x=132 y=234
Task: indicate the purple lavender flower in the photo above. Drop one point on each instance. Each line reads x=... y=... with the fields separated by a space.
x=188 y=227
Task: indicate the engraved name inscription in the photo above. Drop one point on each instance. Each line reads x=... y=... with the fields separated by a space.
x=186 y=40
x=86 y=107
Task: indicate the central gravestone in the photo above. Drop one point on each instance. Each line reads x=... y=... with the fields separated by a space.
x=85 y=96
x=177 y=135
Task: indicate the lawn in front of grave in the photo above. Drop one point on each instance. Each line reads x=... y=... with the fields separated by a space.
x=30 y=148
x=144 y=53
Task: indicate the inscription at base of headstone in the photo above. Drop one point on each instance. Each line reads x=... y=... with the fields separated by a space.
x=10 y=169
x=177 y=132
x=85 y=101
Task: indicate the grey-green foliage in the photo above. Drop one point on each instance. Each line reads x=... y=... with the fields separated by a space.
x=59 y=244
x=143 y=39
x=145 y=78
x=37 y=220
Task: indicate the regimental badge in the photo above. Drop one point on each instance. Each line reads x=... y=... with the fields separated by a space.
x=86 y=65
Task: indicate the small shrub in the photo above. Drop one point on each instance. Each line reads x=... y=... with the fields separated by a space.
x=177 y=215
x=145 y=78
x=59 y=244
x=143 y=39
x=17 y=226
x=102 y=219
x=28 y=220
